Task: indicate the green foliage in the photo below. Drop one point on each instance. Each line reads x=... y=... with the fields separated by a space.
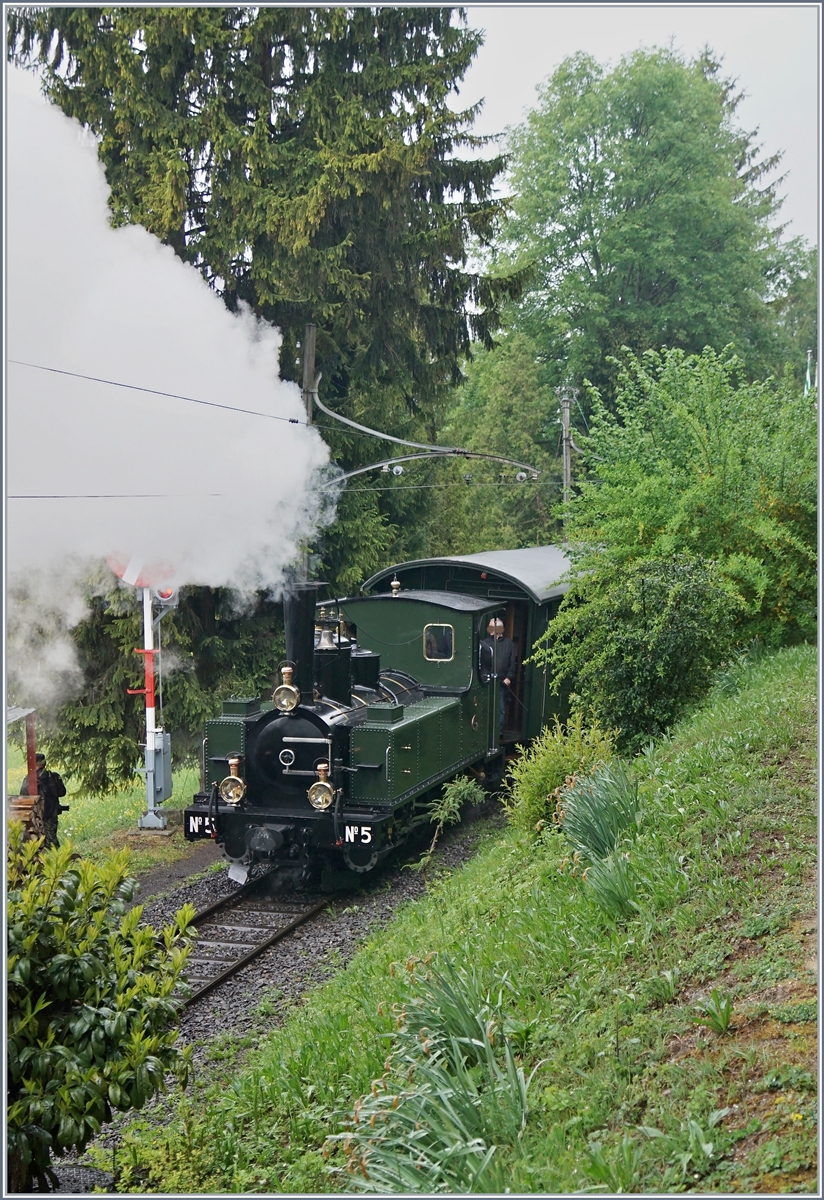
x=506 y=408
x=641 y=642
x=90 y=1002
x=716 y=1012
x=696 y=461
x=446 y=809
x=617 y=1172
x=795 y=307
x=614 y=885
x=596 y=811
x=793 y=1014
x=451 y=1094
x=558 y=753
x=545 y=967
x=641 y=211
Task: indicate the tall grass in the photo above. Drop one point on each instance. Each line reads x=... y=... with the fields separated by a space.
x=451 y=1096
x=596 y=811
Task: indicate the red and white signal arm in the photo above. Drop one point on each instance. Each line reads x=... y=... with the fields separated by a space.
x=143 y=575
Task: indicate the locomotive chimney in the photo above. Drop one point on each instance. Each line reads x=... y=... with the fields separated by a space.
x=299 y=623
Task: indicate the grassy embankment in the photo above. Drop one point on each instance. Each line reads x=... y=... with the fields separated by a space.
x=98 y=825
x=673 y=1049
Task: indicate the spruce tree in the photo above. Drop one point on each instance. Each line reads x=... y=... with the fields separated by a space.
x=308 y=162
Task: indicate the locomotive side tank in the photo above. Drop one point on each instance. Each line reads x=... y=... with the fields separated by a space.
x=382 y=700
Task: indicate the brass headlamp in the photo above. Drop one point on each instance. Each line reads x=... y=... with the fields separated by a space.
x=286 y=696
x=232 y=789
x=321 y=794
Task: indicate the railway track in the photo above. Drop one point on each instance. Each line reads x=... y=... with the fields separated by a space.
x=234 y=931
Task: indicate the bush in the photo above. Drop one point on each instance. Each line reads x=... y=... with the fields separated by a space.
x=558 y=753
x=446 y=810
x=638 y=644
x=90 y=1004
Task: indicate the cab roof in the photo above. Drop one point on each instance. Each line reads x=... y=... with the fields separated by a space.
x=537 y=570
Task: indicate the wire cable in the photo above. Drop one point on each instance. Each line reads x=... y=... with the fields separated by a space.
x=434 y=450
x=398 y=487
x=133 y=387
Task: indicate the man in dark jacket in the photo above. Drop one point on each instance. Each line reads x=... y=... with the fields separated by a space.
x=498 y=659
x=52 y=789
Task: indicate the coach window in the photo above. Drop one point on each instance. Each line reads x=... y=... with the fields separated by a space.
x=438 y=643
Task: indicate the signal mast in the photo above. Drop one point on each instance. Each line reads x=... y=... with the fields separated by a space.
x=158 y=745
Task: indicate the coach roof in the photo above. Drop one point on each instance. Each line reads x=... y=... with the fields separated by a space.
x=538 y=570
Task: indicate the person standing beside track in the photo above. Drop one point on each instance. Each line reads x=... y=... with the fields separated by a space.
x=51 y=789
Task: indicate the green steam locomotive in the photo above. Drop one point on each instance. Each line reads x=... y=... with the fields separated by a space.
x=384 y=698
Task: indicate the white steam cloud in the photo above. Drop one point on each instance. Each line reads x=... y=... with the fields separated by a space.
x=203 y=495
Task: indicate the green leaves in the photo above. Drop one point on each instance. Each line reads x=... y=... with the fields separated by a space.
x=451 y=1098
x=715 y=1012
x=691 y=531
x=598 y=810
x=535 y=779
x=100 y=1032
x=696 y=461
x=639 y=643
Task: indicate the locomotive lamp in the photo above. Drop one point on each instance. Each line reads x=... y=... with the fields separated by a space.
x=232 y=789
x=286 y=696
x=321 y=794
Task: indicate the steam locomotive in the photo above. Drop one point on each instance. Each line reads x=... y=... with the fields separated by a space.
x=384 y=697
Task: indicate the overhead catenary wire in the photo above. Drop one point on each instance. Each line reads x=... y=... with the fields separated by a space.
x=434 y=450
x=398 y=487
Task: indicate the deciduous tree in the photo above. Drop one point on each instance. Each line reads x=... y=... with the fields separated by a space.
x=644 y=213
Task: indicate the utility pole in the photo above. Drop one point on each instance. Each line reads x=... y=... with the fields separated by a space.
x=308 y=393
x=309 y=339
x=565 y=395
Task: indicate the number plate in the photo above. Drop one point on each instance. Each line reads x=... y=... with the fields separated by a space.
x=360 y=835
x=199 y=826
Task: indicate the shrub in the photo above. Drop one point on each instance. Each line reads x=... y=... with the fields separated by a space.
x=558 y=753
x=640 y=643
x=446 y=810
x=90 y=1003
x=695 y=460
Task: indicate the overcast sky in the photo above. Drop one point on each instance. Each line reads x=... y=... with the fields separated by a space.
x=771 y=49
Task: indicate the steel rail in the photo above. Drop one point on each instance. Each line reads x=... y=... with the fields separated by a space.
x=250 y=886
x=253 y=953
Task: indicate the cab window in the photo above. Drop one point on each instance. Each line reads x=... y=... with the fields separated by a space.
x=438 y=643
